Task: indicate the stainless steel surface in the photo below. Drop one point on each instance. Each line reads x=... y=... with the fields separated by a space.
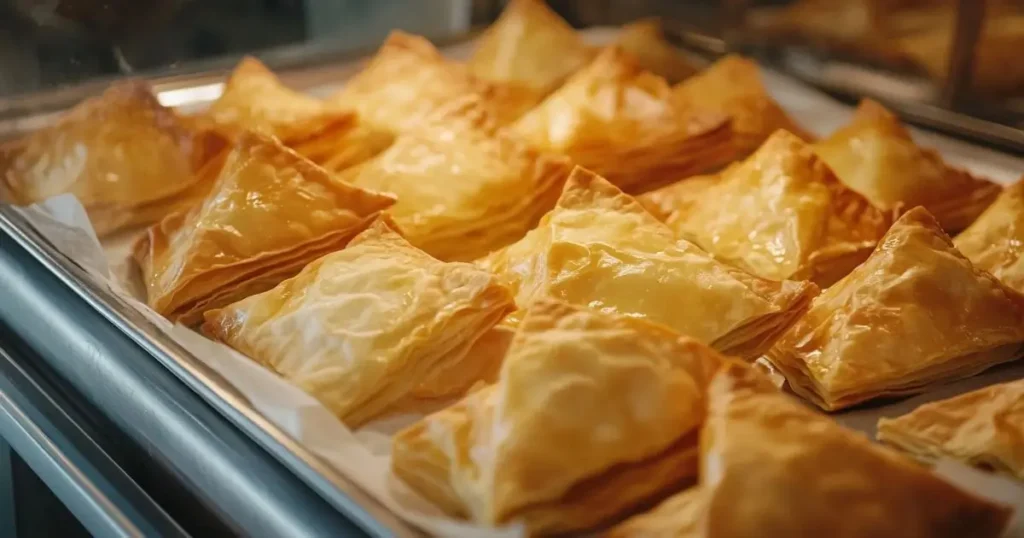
x=969 y=20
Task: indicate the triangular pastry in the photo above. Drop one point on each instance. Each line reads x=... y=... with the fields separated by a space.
x=408 y=80
x=270 y=212
x=600 y=248
x=362 y=327
x=530 y=47
x=875 y=156
x=771 y=467
x=780 y=214
x=592 y=415
x=914 y=315
x=129 y=160
x=645 y=41
x=254 y=99
x=620 y=121
x=983 y=428
x=995 y=242
x=462 y=189
x=733 y=86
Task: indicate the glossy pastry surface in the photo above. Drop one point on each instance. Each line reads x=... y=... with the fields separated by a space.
x=995 y=242
x=645 y=41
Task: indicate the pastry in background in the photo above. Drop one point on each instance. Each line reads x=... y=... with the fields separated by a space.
x=770 y=466
x=780 y=214
x=592 y=415
x=360 y=329
x=983 y=428
x=915 y=315
x=733 y=86
x=463 y=189
x=875 y=156
x=645 y=41
x=269 y=213
x=995 y=242
x=129 y=160
x=621 y=122
x=599 y=248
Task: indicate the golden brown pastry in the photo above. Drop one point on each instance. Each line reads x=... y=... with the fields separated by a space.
x=771 y=467
x=780 y=214
x=600 y=248
x=875 y=156
x=733 y=86
x=620 y=121
x=127 y=159
x=269 y=214
x=592 y=415
x=995 y=242
x=361 y=328
x=984 y=428
x=408 y=80
x=530 y=47
x=679 y=516
x=916 y=314
x=462 y=189
x=645 y=41
x=254 y=99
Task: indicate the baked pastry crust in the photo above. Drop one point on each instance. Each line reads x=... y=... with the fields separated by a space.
x=463 y=189
x=995 y=242
x=914 y=315
x=599 y=248
x=982 y=428
x=597 y=415
x=621 y=121
x=128 y=159
x=780 y=214
x=270 y=212
x=772 y=467
x=645 y=41
x=875 y=156
x=362 y=327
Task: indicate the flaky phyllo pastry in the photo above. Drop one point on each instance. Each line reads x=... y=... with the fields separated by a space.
x=914 y=315
x=621 y=121
x=463 y=189
x=362 y=328
x=733 y=86
x=531 y=48
x=983 y=428
x=875 y=156
x=780 y=214
x=599 y=248
x=127 y=159
x=995 y=242
x=592 y=415
x=254 y=99
x=771 y=467
x=408 y=80
x=270 y=212
x=645 y=41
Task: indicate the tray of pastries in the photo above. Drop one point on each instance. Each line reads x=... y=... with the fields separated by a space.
x=560 y=282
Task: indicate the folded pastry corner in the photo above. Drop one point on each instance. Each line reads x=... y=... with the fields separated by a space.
x=128 y=159
x=592 y=415
x=995 y=241
x=463 y=189
x=772 y=467
x=531 y=47
x=270 y=212
x=981 y=428
x=645 y=41
x=916 y=314
x=362 y=328
x=733 y=86
x=780 y=214
x=876 y=156
x=621 y=121
x=599 y=248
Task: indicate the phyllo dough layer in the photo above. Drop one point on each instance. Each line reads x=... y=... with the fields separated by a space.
x=599 y=248
x=360 y=329
x=269 y=214
x=592 y=415
x=645 y=41
x=995 y=242
x=914 y=315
